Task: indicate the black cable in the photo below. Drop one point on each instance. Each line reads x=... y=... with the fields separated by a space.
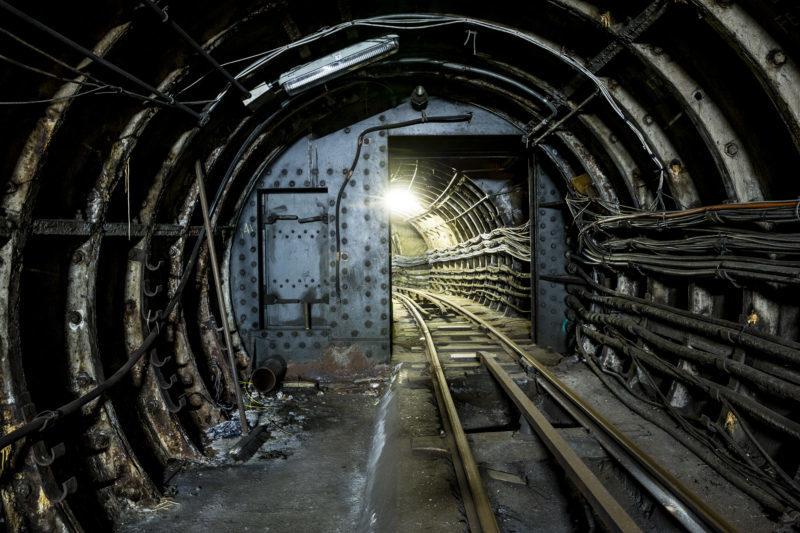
x=88 y=53
x=114 y=89
x=48 y=74
x=726 y=330
x=194 y=44
x=764 y=381
x=53 y=100
x=709 y=454
x=766 y=416
x=422 y=120
x=43 y=421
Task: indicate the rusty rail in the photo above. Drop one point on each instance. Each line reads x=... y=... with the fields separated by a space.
x=675 y=497
x=611 y=514
x=483 y=508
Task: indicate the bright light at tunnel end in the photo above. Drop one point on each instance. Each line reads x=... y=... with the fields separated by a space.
x=402 y=203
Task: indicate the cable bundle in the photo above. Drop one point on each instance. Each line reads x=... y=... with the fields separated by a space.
x=735 y=242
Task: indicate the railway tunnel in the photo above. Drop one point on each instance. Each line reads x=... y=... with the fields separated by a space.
x=611 y=184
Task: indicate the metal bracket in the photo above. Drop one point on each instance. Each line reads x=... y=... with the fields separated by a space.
x=44 y=457
x=158 y=362
x=67 y=488
x=150 y=293
x=152 y=268
x=172 y=407
x=318 y=218
x=163 y=383
x=271 y=219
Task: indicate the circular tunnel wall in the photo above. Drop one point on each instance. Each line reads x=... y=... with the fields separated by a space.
x=654 y=156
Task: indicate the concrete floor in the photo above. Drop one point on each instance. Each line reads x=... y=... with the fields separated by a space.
x=313 y=481
x=352 y=461
x=370 y=457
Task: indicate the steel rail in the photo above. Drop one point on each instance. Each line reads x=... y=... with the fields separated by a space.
x=677 y=499
x=486 y=517
x=608 y=509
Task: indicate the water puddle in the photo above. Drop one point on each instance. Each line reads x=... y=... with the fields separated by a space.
x=378 y=511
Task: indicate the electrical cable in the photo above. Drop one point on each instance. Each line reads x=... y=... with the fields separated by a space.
x=44 y=421
x=113 y=89
x=424 y=119
x=709 y=453
x=89 y=54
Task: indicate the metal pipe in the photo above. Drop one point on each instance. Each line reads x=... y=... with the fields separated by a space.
x=267 y=376
x=212 y=251
x=194 y=44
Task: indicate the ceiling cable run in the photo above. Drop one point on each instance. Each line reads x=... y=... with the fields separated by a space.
x=194 y=44
x=168 y=100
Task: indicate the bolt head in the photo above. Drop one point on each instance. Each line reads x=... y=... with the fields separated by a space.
x=777 y=57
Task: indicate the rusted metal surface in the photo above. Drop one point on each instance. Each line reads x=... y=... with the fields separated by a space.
x=155 y=404
x=338 y=361
x=111 y=463
x=209 y=329
x=210 y=340
x=201 y=409
x=590 y=164
x=776 y=72
x=681 y=185
x=736 y=169
x=212 y=257
x=625 y=33
x=114 y=168
x=82 y=228
x=626 y=166
x=26 y=505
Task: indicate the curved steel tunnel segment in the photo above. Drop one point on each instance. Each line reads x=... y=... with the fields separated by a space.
x=655 y=106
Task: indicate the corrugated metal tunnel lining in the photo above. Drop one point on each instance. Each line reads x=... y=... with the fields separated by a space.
x=651 y=146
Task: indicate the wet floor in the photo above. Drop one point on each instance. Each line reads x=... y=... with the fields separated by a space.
x=311 y=478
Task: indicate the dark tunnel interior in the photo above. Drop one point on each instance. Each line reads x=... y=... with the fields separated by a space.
x=618 y=179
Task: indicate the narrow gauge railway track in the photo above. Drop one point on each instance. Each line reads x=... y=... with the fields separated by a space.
x=499 y=355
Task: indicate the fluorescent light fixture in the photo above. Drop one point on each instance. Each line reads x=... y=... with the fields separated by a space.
x=402 y=202
x=331 y=66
